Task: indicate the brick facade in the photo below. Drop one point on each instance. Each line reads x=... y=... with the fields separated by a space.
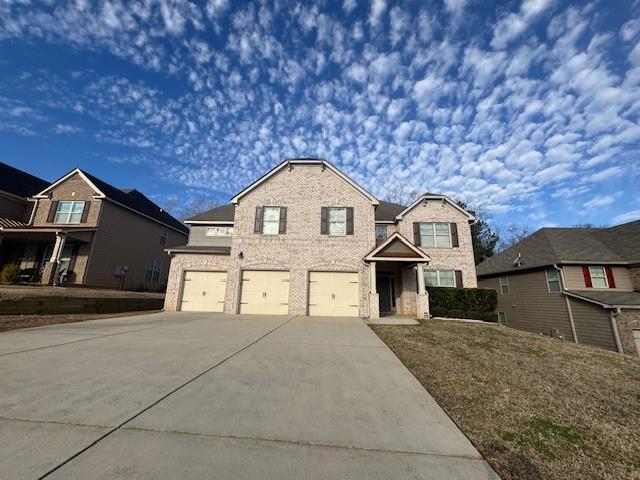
x=628 y=320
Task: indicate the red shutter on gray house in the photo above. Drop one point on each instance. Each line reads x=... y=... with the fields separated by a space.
x=454 y=235
x=85 y=212
x=324 y=221
x=349 y=220
x=459 y=283
x=610 y=280
x=257 y=227
x=587 y=276
x=52 y=211
x=416 y=234
x=283 y=220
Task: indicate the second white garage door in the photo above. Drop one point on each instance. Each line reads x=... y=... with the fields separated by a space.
x=203 y=291
x=264 y=292
x=333 y=294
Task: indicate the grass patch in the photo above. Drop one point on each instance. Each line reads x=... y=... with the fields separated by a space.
x=535 y=407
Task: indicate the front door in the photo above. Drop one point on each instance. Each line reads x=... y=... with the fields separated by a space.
x=385 y=293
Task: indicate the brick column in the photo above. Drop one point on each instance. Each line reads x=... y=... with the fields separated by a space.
x=422 y=297
x=374 y=298
x=51 y=267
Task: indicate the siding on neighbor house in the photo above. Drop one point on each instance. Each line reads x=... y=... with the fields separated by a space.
x=634 y=273
x=126 y=238
x=197 y=237
x=593 y=324
x=529 y=305
x=574 y=278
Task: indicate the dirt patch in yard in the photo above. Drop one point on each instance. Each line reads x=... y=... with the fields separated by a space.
x=16 y=292
x=535 y=407
x=13 y=322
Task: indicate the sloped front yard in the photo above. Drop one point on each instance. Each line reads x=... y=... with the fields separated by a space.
x=535 y=407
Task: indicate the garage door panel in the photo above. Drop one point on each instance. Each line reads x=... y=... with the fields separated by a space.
x=334 y=294
x=264 y=292
x=203 y=291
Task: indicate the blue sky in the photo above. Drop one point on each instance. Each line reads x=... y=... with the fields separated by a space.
x=528 y=109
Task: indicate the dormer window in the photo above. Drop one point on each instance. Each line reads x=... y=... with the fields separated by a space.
x=69 y=212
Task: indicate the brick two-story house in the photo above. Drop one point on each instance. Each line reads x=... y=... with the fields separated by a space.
x=80 y=230
x=305 y=239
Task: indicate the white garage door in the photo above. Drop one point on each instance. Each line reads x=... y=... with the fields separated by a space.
x=203 y=291
x=333 y=294
x=264 y=292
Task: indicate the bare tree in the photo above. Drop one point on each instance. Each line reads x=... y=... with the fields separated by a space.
x=198 y=204
x=513 y=234
x=400 y=194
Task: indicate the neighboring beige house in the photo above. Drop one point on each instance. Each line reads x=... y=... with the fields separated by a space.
x=80 y=230
x=305 y=239
x=580 y=284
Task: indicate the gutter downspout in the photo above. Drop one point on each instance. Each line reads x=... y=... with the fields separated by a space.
x=614 y=326
x=566 y=300
x=33 y=212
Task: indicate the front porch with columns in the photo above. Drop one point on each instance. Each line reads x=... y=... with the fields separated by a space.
x=396 y=279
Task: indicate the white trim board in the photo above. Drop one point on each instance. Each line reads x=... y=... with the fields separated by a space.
x=443 y=198
x=420 y=257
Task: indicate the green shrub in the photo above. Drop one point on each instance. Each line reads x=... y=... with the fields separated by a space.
x=438 y=312
x=466 y=299
x=455 y=313
x=490 y=317
x=473 y=314
x=10 y=273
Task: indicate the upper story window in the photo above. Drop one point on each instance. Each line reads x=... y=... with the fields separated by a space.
x=271 y=220
x=164 y=233
x=219 y=231
x=598 y=277
x=337 y=221
x=69 y=212
x=435 y=235
x=553 y=280
x=504 y=284
x=439 y=278
x=381 y=233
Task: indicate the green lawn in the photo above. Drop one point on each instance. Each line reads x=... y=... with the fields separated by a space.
x=535 y=407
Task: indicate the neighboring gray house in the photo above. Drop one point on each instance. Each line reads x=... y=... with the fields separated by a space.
x=581 y=284
x=80 y=230
x=305 y=239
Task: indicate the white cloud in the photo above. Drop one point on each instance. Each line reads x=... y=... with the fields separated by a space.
x=349 y=5
x=377 y=9
x=630 y=216
x=599 y=201
x=606 y=174
x=514 y=24
x=455 y=6
x=630 y=30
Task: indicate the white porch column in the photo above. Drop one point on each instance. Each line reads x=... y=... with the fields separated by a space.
x=373 y=288
x=61 y=239
x=421 y=287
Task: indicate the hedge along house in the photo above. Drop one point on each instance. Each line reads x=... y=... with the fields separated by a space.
x=580 y=284
x=80 y=230
x=305 y=239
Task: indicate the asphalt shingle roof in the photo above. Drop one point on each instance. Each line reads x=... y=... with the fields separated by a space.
x=20 y=183
x=557 y=245
x=223 y=213
x=610 y=297
x=387 y=211
x=137 y=201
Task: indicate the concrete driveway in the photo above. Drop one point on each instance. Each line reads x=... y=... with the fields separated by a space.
x=193 y=396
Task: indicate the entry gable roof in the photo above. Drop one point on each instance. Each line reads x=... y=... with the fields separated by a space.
x=304 y=161
x=434 y=196
x=403 y=250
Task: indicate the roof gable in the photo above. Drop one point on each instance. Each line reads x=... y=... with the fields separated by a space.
x=432 y=196
x=221 y=214
x=19 y=183
x=396 y=247
x=324 y=164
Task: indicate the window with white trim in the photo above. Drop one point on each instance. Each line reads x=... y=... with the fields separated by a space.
x=435 y=235
x=152 y=271
x=553 y=280
x=502 y=318
x=439 y=278
x=598 y=277
x=270 y=220
x=69 y=212
x=381 y=234
x=337 y=221
x=220 y=231
x=164 y=233
x=504 y=284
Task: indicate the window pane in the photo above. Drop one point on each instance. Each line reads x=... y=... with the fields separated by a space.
x=271 y=220
x=381 y=232
x=427 y=239
x=61 y=218
x=75 y=218
x=447 y=278
x=270 y=227
x=442 y=229
x=431 y=278
x=337 y=228
x=598 y=279
x=64 y=207
x=598 y=282
x=443 y=240
x=554 y=286
x=337 y=221
x=78 y=207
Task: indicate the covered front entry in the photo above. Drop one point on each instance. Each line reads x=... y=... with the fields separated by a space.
x=396 y=279
x=264 y=292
